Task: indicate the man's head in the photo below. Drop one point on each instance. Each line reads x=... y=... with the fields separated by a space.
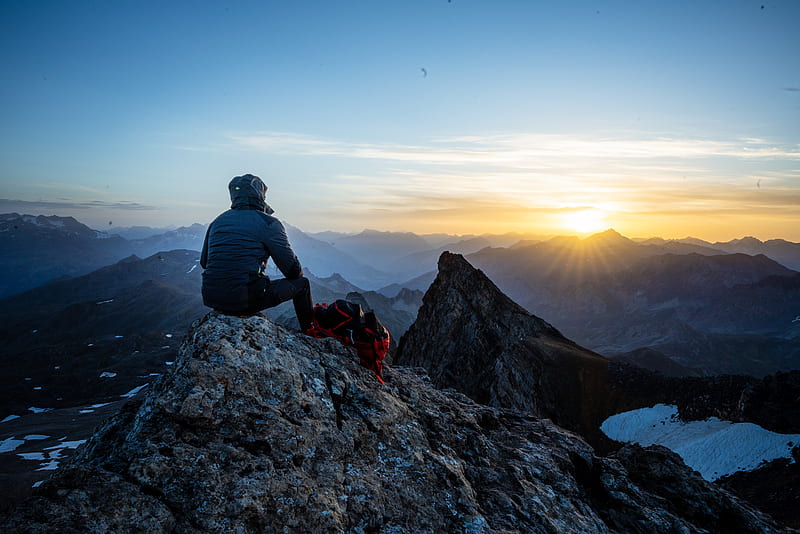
x=249 y=192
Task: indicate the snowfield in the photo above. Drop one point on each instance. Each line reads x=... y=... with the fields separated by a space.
x=713 y=447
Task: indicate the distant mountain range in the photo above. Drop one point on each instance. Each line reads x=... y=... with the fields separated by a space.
x=684 y=307
x=39 y=249
x=709 y=314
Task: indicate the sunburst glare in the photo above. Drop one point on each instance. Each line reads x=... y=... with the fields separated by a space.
x=584 y=221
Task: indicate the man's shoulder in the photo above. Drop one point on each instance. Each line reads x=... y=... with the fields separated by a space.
x=247 y=215
x=271 y=222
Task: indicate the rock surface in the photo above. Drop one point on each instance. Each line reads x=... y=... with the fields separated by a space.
x=473 y=338
x=257 y=429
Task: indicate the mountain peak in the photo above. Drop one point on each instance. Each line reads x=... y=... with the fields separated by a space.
x=745 y=241
x=609 y=236
x=259 y=429
x=473 y=338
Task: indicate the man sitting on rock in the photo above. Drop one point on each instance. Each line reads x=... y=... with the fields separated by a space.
x=235 y=252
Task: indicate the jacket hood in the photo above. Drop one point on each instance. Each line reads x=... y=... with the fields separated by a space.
x=249 y=192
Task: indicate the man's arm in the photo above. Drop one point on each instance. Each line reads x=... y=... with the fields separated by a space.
x=282 y=254
x=204 y=252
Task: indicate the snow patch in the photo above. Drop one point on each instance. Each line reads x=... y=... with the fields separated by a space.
x=119 y=337
x=9 y=418
x=192 y=269
x=712 y=447
x=31 y=455
x=99 y=405
x=52 y=465
x=87 y=410
x=37 y=388
x=169 y=363
x=167 y=335
x=10 y=444
x=35 y=437
x=105 y=301
x=132 y=393
x=37 y=484
x=66 y=445
x=107 y=374
x=34 y=409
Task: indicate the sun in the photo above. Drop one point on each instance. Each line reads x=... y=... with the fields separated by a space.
x=585 y=221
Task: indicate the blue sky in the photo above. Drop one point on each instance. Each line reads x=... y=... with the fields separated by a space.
x=656 y=118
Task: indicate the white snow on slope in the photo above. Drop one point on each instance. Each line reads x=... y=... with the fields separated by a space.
x=9 y=418
x=64 y=445
x=132 y=393
x=712 y=447
x=31 y=455
x=192 y=269
x=10 y=444
x=52 y=465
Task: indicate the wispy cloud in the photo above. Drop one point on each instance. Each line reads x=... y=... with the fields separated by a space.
x=542 y=151
x=63 y=186
x=7 y=204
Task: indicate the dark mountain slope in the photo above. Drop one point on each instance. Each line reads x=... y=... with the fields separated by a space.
x=728 y=313
x=324 y=260
x=780 y=250
x=38 y=249
x=473 y=338
x=64 y=335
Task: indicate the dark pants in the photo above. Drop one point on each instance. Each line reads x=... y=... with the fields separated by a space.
x=273 y=292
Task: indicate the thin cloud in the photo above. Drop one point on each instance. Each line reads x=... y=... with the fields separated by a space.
x=516 y=150
x=24 y=205
x=73 y=187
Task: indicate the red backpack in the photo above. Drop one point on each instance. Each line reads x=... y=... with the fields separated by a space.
x=348 y=323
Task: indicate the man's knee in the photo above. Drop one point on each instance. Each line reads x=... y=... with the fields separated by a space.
x=303 y=284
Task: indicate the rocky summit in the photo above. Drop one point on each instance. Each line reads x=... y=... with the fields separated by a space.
x=471 y=337
x=259 y=429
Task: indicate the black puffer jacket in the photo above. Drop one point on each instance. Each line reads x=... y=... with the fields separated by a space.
x=238 y=244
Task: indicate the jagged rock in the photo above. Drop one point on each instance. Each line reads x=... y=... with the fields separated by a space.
x=258 y=429
x=473 y=338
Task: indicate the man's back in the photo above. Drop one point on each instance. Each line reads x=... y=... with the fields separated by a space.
x=236 y=249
